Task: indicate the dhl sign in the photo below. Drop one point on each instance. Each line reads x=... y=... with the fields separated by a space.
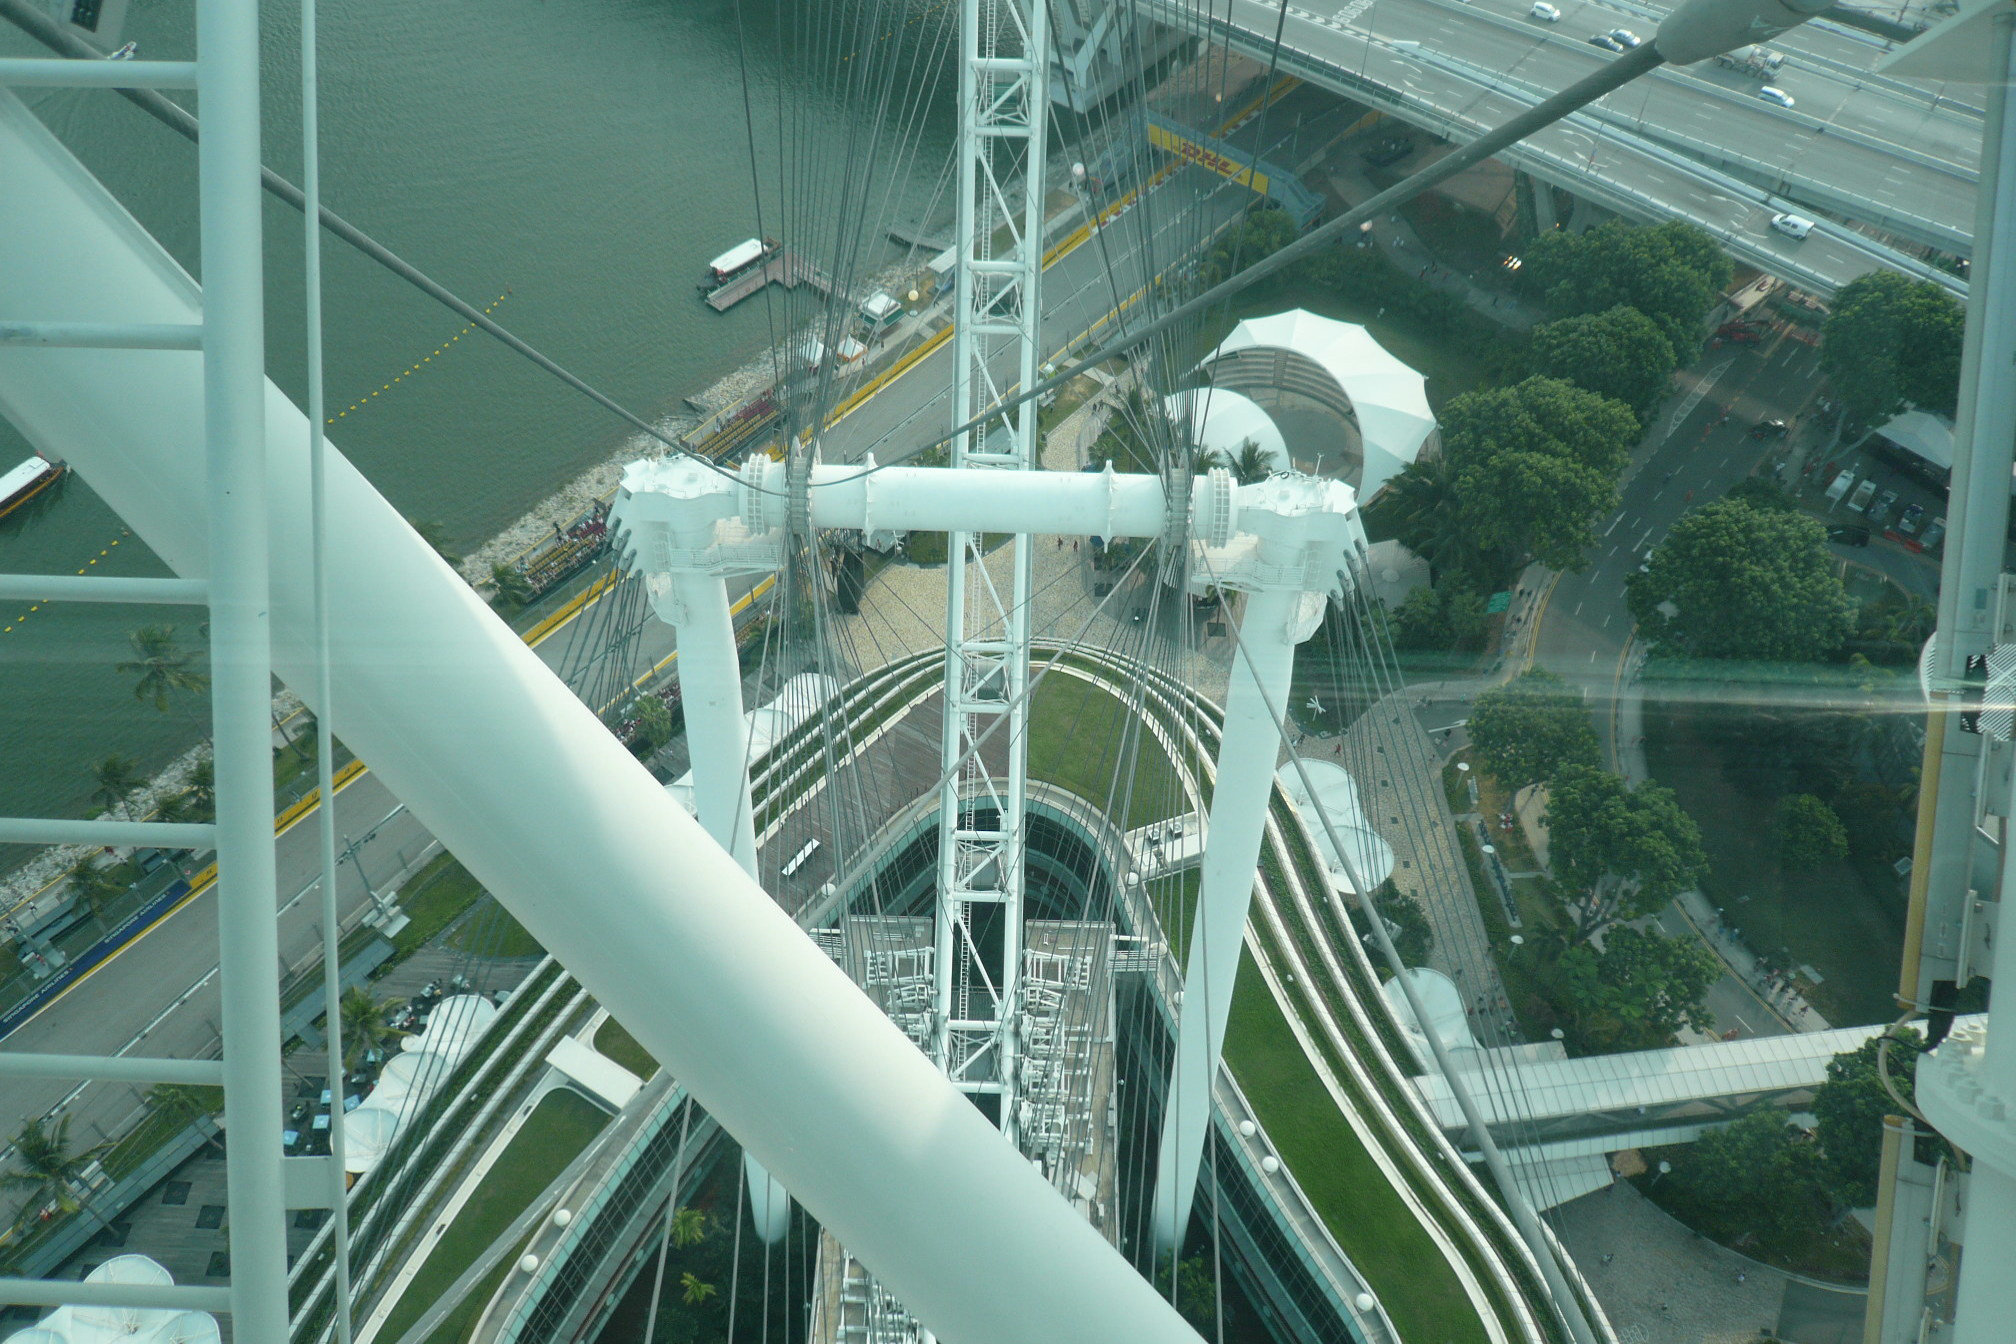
x=1205 y=157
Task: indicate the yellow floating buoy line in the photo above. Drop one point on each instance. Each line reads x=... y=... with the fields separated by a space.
x=8 y=629
x=440 y=349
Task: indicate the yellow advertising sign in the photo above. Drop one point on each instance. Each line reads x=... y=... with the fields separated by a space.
x=1190 y=151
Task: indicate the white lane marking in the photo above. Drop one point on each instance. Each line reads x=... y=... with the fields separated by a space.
x=1613 y=524
x=1577 y=611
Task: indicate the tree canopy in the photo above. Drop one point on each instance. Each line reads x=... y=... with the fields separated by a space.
x=1260 y=234
x=1759 y=1175
x=160 y=666
x=1638 y=990
x=1889 y=342
x=1808 y=831
x=1530 y=728
x=1530 y=469
x=1743 y=582
x=1672 y=272
x=1626 y=851
x=1849 y=1108
x=1618 y=353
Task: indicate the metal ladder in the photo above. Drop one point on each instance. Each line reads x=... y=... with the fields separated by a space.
x=262 y=1181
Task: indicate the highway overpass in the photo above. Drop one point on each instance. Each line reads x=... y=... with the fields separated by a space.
x=1696 y=144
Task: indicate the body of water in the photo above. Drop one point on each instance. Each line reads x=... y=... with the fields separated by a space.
x=578 y=161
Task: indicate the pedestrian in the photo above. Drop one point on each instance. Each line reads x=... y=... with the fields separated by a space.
x=1742 y=1276
x=1608 y=1256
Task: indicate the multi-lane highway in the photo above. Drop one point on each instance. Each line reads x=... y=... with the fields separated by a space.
x=1696 y=144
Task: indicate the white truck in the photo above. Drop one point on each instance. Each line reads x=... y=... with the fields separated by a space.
x=1756 y=62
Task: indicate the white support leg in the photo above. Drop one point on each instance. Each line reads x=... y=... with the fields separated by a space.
x=1247 y=755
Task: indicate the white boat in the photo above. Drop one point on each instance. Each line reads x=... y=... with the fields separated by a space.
x=26 y=481
x=739 y=258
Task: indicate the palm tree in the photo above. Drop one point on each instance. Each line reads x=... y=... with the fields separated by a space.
x=513 y=588
x=693 y=1290
x=46 y=1172
x=367 y=1026
x=689 y=1226
x=1252 y=464
x=202 y=789
x=97 y=888
x=162 y=667
x=436 y=536
x=1203 y=460
x=1427 y=514
x=113 y=779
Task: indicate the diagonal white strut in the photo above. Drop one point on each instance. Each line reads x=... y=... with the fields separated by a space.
x=554 y=816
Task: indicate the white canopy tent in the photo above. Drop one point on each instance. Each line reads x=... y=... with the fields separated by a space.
x=1337 y=793
x=122 y=1325
x=1389 y=399
x=1226 y=421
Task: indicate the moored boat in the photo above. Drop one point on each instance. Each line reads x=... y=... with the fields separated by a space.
x=26 y=481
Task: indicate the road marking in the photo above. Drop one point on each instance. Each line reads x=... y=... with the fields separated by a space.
x=1592 y=655
x=1606 y=620
x=1577 y=611
x=1642 y=540
x=1613 y=524
x=1660 y=491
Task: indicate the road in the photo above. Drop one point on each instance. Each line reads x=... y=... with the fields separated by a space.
x=1726 y=160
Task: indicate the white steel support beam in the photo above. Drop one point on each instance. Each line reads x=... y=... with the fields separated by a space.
x=517 y=778
x=1241 y=790
x=241 y=654
x=1003 y=124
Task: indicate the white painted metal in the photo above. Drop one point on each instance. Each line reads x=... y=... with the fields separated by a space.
x=111 y=335
x=75 y=588
x=1004 y=54
x=551 y=814
x=1307 y=531
x=232 y=515
x=902 y=499
x=668 y=513
x=54 y=72
x=52 y=831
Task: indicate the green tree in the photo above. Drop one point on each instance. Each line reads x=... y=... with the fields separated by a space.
x=1550 y=417
x=1808 y=832
x=654 y=726
x=513 y=588
x=367 y=1026
x=97 y=888
x=160 y=666
x=1535 y=464
x=1673 y=273
x=1849 y=1108
x=1626 y=852
x=689 y=1226
x=1252 y=463
x=1535 y=508
x=46 y=1174
x=436 y=536
x=1758 y=1176
x=1443 y=617
x=693 y=1290
x=1195 y=1286
x=1889 y=342
x=1735 y=581
x=1262 y=233
x=1428 y=517
x=1530 y=728
x=1638 y=990
x=1619 y=353
x=113 y=780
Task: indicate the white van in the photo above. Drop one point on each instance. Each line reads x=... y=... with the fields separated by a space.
x=1544 y=12
x=1840 y=486
x=1792 y=226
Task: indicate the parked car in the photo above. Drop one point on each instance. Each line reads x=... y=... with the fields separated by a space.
x=1390 y=150
x=1880 y=510
x=1605 y=41
x=1544 y=12
x=1770 y=93
x=1909 y=520
x=1840 y=485
x=1795 y=227
x=1849 y=535
x=1625 y=38
x=1935 y=532
x=1741 y=336
x=1860 y=499
x=1774 y=428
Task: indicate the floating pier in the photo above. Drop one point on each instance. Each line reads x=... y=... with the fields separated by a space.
x=786 y=268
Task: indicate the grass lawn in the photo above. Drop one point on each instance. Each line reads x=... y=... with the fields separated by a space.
x=1845 y=920
x=614 y=1041
x=1068 y=717
x=492 y=932
x=561 y=1126
x=1363 y=1211
x=436 y=895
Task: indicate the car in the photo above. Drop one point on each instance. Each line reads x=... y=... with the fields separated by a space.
x=1605 y=41
x=1849 y=535
x=1390 y=150
x=1935 y=532
x=1729 y=329
x=1544 y=12
x=1741 y=336
x=1880 y=510
x=1840 y=485
x=1792 y=226
x=1771 y=93
x=1908 y=520
x=1625 y=38
x=1773 y=428
x=1860 y=499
